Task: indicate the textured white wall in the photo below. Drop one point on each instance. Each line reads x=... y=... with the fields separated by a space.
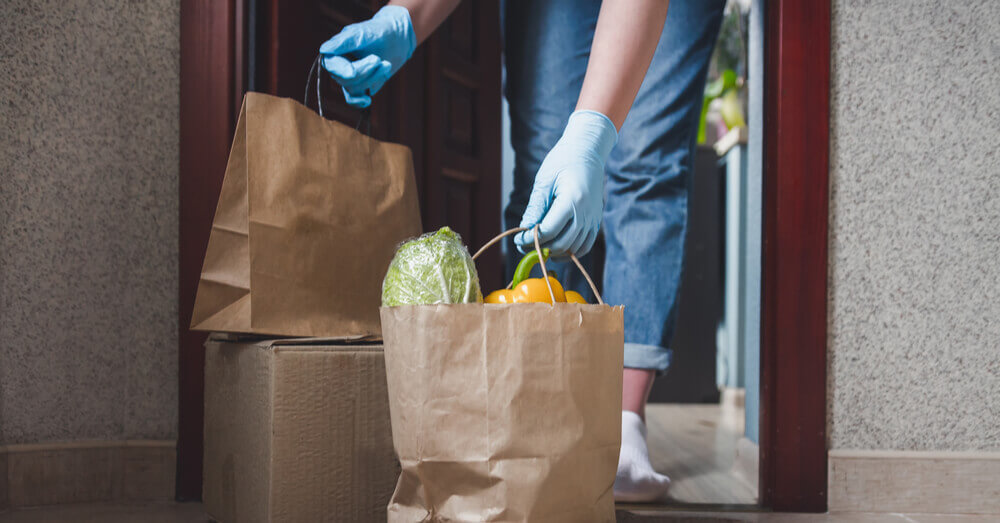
x=88 y=219
x=915 y=225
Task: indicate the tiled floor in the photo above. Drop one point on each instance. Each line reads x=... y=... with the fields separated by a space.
x=192 y=513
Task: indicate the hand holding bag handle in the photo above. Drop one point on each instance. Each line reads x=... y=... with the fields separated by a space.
x=541 y=261
x=315 y=69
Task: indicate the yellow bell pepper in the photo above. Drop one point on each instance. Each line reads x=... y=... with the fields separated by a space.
x=500 y=296
x=532 y=290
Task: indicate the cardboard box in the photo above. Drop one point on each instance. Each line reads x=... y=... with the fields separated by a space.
x=296 y=430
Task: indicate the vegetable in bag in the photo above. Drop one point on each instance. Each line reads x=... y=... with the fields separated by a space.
x=433 y=268
x=533 y=290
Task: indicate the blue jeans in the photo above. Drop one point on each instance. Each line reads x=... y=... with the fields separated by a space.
x=546 y=48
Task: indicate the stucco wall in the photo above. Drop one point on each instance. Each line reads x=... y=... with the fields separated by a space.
x=915 y=226
x=88 y=219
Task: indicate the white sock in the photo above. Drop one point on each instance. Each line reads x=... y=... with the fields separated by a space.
x=636 y=480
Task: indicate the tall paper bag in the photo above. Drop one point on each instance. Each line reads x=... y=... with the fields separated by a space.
x=504 y=412
x=308 y=219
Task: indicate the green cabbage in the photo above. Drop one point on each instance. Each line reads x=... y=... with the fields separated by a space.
x=434 y=268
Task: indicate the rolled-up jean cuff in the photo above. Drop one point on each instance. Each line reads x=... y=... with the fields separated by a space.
x=639 y=356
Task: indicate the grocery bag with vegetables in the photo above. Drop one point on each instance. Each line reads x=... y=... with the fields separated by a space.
x=508 y=410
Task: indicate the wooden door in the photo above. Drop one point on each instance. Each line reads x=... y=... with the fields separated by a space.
x=444 y=104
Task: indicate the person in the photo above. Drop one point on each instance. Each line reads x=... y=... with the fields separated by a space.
x=604 y=106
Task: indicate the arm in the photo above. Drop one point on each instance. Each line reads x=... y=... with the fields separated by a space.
x=624 y=42
x=427 y=15
x=567 y=200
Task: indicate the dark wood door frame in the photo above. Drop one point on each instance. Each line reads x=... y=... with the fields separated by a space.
x=794 y=288
x=211 y=82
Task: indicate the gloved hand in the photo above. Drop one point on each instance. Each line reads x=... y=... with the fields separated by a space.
x=363 y=56
x=567 y=200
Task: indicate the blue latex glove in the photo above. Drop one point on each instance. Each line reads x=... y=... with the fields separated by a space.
x=567 y=200
x=363 y=56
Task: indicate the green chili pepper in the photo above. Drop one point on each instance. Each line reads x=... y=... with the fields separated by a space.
x=523 y=271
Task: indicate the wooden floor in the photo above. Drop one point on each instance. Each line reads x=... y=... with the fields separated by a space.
x=109 y=513
x=192 y=513
x=696 y=446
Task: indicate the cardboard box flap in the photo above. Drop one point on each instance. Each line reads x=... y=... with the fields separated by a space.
x=271 y=341
x=351 y=341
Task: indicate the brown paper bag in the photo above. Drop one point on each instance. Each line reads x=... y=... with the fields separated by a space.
x=308 y=220
x=504 y=412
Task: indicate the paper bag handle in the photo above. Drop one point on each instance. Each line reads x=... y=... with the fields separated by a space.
x=319 y=98
x=541 y=260
x=365 y=113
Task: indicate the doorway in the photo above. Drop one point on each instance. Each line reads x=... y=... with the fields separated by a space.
x=703 y=419
x=229 y=47
x=703 y=415
x=789 y=112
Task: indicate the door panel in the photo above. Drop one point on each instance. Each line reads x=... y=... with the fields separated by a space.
x=462 y=185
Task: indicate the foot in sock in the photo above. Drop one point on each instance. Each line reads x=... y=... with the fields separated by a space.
x=636 y=480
